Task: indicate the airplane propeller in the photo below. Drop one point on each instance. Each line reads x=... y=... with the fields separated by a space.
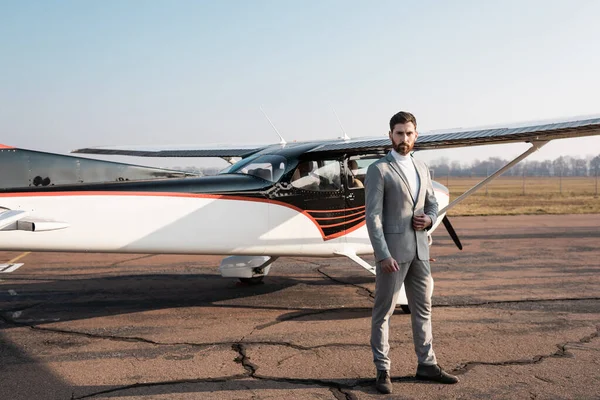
x=452 y=232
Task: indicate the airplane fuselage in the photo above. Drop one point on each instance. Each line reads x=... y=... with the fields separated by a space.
x=231 y=213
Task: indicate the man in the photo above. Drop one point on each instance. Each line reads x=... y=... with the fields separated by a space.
x=353 y=181
x=400 y=207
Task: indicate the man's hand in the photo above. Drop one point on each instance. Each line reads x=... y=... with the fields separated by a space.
x=389 y=265
x=421 y=222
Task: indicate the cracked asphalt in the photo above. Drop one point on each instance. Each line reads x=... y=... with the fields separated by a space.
x=516 y=315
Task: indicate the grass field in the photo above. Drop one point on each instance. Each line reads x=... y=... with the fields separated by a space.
x=508 y=196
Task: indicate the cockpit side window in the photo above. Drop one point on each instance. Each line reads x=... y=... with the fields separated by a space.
x=317 y=175
x=267 y=167
x=357 y=170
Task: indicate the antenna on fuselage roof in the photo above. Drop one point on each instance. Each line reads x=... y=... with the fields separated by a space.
x=282 y=141
x=346 y=137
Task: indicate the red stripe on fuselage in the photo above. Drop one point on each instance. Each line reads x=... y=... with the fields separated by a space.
x=341 y=216
x=343 y=209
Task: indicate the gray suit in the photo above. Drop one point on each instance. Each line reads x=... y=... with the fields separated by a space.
x=389 y=212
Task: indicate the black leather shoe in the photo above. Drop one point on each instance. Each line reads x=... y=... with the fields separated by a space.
x=434 y=373
x=383 y=383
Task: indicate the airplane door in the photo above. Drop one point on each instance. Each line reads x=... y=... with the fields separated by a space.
x=355 y=171
x=318 y=191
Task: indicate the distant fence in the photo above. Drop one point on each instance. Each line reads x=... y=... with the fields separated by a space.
x=526 y=185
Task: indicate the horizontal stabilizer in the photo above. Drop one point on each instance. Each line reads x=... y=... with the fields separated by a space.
x=10 y=217
x=17 y=220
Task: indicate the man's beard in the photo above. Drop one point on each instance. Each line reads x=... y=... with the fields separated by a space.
x=404 y=148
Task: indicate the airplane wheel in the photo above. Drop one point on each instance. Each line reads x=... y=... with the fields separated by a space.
x=255 y=280
x=405 y=308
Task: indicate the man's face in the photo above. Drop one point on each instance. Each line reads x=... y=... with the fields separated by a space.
x=403 y=137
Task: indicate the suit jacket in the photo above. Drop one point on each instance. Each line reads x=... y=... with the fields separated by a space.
x=390 y=209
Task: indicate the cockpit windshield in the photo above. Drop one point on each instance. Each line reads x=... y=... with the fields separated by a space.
x=267 y=167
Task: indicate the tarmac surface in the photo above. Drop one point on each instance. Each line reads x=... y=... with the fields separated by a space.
x=516 y=315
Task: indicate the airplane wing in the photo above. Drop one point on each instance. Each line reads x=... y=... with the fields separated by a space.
x=538 y=135
x=528 y=133
x=223 y=151
x=463 y=138
x=455 y=138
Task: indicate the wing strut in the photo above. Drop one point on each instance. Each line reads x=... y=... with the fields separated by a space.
x=535 y=146
x=354 y=257
x=402 y=299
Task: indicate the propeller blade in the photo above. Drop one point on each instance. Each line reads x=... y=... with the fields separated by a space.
x=452 y=232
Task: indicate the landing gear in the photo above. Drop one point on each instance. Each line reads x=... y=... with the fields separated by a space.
x=250 y=270
x=255 y=280
x=405 y=308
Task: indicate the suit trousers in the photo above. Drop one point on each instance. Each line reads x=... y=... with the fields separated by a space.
x=416 y=276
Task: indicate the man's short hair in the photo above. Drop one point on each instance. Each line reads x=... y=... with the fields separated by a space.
x=402 y=117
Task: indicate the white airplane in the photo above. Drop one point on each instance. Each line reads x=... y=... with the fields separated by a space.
x=285 y=199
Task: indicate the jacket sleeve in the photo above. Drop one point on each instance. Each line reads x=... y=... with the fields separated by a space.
x=431 y=205
x=374 y=192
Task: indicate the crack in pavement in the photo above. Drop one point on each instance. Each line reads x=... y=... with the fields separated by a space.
x=86 y=334
x=164 y=383
x=131 y=259
x=363 y=291
x=338 y=389
x=201 y=345
x=251 y=369
x=485 y=303
x=341 y=394
x=299 y=314
x=371 y=295
x=290 y=317
x=562 y=352
x=543 y=379
x=349 y=395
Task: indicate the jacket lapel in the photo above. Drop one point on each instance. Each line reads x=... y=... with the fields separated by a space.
x=392 y=161
x=422 y=186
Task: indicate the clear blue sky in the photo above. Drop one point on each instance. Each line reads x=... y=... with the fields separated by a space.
x=82 y=73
